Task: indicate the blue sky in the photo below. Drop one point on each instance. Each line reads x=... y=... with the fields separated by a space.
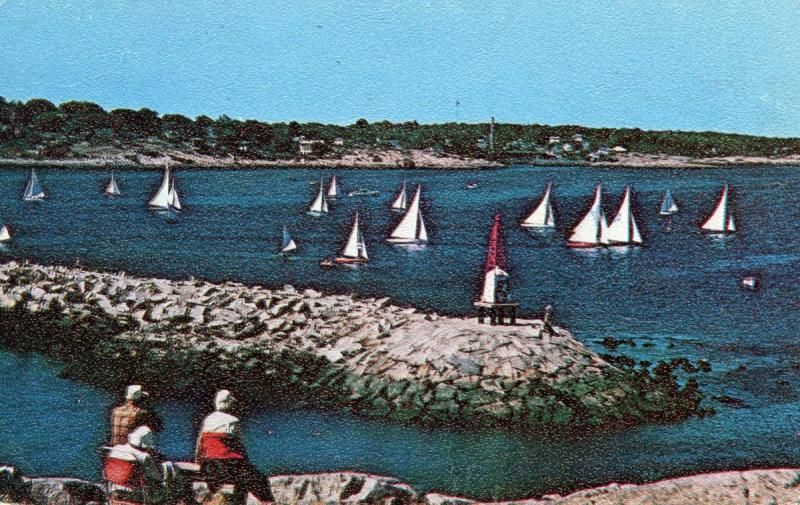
x=689 y=65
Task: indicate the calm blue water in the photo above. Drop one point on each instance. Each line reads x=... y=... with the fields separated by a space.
x=679 y=295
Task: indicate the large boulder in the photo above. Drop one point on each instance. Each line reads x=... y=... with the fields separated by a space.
x=345 y=487
x=64 y=491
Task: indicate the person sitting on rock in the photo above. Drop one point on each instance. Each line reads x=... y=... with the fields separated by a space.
x=132 y=414
x=222 y=456
x=136 y=475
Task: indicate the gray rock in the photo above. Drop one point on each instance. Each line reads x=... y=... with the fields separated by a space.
x=341 y=488
x=64 y=491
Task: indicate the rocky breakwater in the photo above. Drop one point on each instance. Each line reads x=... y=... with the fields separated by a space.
x=752 y=487
x=366 y=354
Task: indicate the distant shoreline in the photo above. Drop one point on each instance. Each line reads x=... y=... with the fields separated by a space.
x=390 y=160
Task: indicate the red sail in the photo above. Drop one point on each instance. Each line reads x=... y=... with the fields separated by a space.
x=496 y=254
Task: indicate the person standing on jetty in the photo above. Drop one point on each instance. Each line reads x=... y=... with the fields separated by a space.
x=222 y=456
x=137 y=476
x=133 y=413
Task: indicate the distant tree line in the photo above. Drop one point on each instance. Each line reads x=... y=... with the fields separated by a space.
x=41 y=128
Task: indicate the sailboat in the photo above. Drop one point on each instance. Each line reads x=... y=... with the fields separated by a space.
x=592 y=230
x=400 y=203
x=623 y=229
x=112 y=189
x=33 y=190
x=495 y=270
x=166 y=198
x=5 y=235
x=668 y=206
x=542 y=216
x=355 y=250
x=411 y=229
x=287 y=245
x=174 y=201
x=333 y=188
x=320 y=204
x=721 y=220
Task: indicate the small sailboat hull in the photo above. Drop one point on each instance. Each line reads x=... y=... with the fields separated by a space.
x=750 y=283
x=400 y=241
x=341 y=260
x=584 y=245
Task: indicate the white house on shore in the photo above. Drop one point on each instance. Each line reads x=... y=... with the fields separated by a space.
x=306 y=146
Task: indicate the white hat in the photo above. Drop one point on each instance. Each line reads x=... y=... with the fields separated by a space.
x=223 y=401
x=134 y=392
x=142 y=438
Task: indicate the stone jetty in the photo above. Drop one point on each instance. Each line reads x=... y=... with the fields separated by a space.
x=365 y=354
x=752 y=487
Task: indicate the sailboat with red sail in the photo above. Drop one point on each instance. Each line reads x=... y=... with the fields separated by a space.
x=495 y=270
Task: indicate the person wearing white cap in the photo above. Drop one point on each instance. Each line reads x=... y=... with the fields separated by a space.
x=135 y=474
x=132 y=414
x=222 y=456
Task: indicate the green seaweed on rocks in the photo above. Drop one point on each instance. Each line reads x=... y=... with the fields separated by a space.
x=283 y=347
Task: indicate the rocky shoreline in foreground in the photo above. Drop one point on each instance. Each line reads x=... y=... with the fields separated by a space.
x=751 y=487
x=365 y=355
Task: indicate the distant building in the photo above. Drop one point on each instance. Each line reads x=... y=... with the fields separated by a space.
x=567 y=147
x=555 y=150
x=519 y=145
x=602 y=154
x=482 y=143
x=306 y=146
x=554 y=140
x=578 y=138
x=619 y=149
x=338 y=141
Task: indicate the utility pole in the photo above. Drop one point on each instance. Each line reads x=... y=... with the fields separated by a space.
x=491 y=135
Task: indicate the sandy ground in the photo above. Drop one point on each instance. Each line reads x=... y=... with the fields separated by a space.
x=373 y=158
x=637 y=160
x=362 y=158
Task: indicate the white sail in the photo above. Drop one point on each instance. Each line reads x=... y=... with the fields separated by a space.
x=355 y=246
x=288 y=244
x=4 y=234
x=721 y=220
x=623 y=229
x=174 y=201
x=33 y=190
x=542 y=216
x=592 y=229
x=162 y=197
x=112 y=189
x=399 y=202
x=362 y=246
x=422 y=232
x=490 y=284
x=320 y=204
x=333 y=189
x=412 y=227
x=668 y=205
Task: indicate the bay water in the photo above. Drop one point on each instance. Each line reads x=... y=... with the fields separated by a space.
x=678 y=296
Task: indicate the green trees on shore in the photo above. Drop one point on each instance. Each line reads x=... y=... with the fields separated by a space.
x=40 y=128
